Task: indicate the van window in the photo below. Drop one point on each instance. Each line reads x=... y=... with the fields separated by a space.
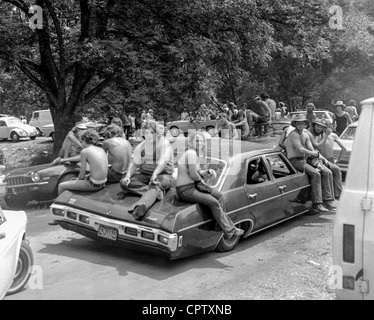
x=35 y=115
x=2 y=124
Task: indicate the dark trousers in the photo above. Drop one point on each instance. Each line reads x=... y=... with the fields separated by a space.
x=140 y=186
x=213 y=200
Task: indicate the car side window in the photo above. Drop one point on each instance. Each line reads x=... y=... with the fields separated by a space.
x=278 y=166
x=36 y=115
x=256 y=171
x=2 y=124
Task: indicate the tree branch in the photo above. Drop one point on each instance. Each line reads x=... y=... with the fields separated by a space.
x=19 y=4
x=95 y=91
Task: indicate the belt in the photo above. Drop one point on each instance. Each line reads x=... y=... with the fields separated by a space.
x=96 y=185
x=297 y=158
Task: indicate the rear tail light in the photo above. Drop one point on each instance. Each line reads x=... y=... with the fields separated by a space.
x=71 y=215
x=84 y=219
x=58 y=212
x=349 y=243
x=163 y=239
x=148 y=235
x=131 y=232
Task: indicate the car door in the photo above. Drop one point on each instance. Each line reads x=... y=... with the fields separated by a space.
x=292 y=185
x=263 y=193
x=8 y=253
x=4 y=134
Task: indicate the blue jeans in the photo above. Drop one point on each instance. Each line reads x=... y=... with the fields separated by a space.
x=213 y=200
x=77 y=185
x=320 y=181
x=337 y=177
x=140 y=186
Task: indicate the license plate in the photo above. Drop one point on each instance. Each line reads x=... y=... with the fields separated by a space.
x=108 y=232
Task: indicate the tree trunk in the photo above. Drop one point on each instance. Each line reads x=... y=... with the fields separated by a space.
x=63 y=125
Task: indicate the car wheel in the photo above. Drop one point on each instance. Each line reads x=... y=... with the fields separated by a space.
x=66 y=177
x=18 y=203
x=15 y=137
x=33 y=138
x=226 y=245
x=174 y=131
x=23 y=270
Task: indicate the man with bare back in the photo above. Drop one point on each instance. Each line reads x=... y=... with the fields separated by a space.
x=96 y=158
x=119 y=152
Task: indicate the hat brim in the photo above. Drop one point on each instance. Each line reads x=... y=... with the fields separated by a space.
x=293 y=123
x=320 y=124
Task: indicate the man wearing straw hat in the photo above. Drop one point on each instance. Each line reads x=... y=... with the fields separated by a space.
x=299 y=147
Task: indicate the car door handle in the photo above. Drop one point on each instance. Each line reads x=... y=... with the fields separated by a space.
x=2 y=235
x=283 y=189
x=253 y=196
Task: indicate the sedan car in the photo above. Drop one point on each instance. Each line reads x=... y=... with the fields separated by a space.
x=347 y=138
x=13 y=128
x=16 y=257
x=36 y=183
x=177 y=229
x=182 y=126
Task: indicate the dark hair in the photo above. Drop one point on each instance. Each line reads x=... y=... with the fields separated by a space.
x=264 y=96
x=117 y=121
x=152 y=125
x=114 y=130
x=352 y=103
x=91 y=137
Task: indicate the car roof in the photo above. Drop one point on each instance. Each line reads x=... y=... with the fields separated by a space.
x=225 y=149
x=8 y=118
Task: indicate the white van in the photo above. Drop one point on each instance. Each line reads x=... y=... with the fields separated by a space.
x=353 y=238
x=41 y=118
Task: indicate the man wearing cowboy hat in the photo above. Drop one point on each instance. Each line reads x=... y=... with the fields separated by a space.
x=299 y=147
x=341 y=119
x=323 y=139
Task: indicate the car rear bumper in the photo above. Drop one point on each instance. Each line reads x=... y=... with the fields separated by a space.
x=128 y=234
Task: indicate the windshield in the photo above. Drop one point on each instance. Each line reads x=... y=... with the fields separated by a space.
x=13 y=121
x=349 y=133
x=218 y=166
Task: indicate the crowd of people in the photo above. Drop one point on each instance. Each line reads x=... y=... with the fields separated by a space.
x=147 y=171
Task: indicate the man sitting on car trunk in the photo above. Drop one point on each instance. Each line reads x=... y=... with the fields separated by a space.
x=96 y=158
x=154 y=157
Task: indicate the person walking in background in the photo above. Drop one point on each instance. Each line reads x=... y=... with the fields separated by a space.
x=185 y=115
x=126 y=124
x=263 y=111
x=341 y=119
x=150 y=116
x=226 y=129
x=192 y=188
x=352 y=110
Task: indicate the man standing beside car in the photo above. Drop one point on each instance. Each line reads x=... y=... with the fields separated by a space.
x=299 y=147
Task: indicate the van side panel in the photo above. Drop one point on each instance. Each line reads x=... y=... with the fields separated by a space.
x=353 y=244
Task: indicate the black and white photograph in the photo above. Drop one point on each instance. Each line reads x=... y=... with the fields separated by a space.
x=184 y=155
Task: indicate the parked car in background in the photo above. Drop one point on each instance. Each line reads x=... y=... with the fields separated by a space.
x=16 y=256
x=347 y=138
x=353 y=236
x=41 y=118
x=48 y=131
x=37 y=183
x=282 y=123
x=177 y=229
x=12 y=128
x=182 y=126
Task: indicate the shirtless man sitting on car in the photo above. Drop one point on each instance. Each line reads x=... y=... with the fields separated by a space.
x=119 y=152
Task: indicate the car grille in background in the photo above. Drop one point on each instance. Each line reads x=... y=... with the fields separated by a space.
x=14 y=181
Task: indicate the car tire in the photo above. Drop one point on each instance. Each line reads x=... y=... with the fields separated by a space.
x=225 y=245
x=15 y=137
x=175 y=132
x=23 y=270
x=33 y=138
x=18 y=203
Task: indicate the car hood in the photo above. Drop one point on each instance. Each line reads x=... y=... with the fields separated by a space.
x=169 y=214
x=46 y=169
x=24 y=126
